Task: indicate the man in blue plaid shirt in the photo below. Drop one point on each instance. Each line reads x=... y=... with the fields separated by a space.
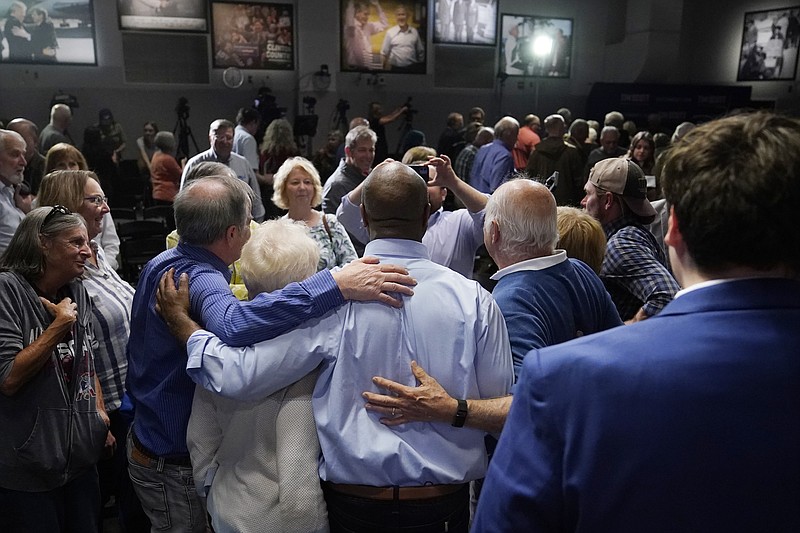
x=634 y=270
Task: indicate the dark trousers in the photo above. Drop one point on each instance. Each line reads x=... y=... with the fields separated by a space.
x=351 y=514
x=71 y=508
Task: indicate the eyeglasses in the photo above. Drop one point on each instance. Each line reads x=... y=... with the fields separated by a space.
x=97 y=199
x=57 y=210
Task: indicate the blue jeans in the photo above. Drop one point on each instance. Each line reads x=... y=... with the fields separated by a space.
x=167 y=494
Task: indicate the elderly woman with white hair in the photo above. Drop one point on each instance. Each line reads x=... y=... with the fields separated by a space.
x=256 y=462
x=299 y=190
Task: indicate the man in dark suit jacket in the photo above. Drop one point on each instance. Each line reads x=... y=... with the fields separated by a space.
x=688 y=421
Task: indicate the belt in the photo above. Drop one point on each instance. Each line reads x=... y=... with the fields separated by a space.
x=423 y=492
x=145 y=457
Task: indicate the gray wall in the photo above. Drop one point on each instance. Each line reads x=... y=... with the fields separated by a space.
x=669 y=41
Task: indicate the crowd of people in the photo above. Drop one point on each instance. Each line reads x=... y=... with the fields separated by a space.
x=316 y=350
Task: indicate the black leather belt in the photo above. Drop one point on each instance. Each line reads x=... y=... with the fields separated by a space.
x=145 y=457
x=423 y=492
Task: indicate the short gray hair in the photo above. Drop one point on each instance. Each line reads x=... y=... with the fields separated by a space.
x=505 y=124
x=24 y=254
x=220 y=123
x=528 y=228
x=164 y=141
x=278 y=253
x=609 y=129
x=359 y=133
x=279 y=181
x=202 y=218
x=209 y=169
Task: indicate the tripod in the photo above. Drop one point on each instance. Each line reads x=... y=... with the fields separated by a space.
x=184 y=133
x=339 y=118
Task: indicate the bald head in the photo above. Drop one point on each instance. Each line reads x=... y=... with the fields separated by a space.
x=394 y=203
x=29 y=132
x=60 y=116
x=520 y=222
x=554 y=125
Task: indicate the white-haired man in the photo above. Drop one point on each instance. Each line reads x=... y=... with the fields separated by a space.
x=494 y=163
x=56 y=131
x=12 y=167
x=545 y=298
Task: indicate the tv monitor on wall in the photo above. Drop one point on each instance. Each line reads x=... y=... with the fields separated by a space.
x=253 y=35
x=535 y=46
x=52 y=32
x=163 y=15
x=384 y=36
x=465 y=22
x=769 y=45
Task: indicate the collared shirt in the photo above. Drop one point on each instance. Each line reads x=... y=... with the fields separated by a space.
x=157 y=382
x=451 y=326
x=452 y=237
x=634 y=269
x=10 y=215
x=111 y=313
x=549 y=300
x=343 y=180
x=242 y=169
x=464 y=161
x=244 y=144
x=493 y=165
x=537 y=263
x=403 y=48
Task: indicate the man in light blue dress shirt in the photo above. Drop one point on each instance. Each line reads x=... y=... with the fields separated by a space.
x=375 y=477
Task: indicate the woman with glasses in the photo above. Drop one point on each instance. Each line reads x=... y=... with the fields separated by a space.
x=111 y=297
x=53 y=419
x=63 y=156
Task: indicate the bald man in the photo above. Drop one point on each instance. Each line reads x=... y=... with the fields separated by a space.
x=545 y=297
x=56 y=131
x=417 y=477
x=12 y=167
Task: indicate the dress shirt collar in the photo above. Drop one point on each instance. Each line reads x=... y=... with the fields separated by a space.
x=400 y=248
x=537 y=263
x=202 y=255
x=435 y=216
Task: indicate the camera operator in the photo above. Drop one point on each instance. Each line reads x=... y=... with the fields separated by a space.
x=378 y=122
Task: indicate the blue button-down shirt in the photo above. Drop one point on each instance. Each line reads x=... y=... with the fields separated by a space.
x=157 y=382
x=493 y=165
x=451 y=326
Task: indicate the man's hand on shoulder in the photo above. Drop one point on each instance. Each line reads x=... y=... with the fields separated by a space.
x=172 y=303
x=367 y=280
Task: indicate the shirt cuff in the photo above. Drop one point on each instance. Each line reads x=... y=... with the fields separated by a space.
x=323 y=291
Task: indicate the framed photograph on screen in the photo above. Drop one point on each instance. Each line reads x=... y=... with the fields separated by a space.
x=535 y=46
x=253 y=35
x=163 y=15
x=465 y=22
x=769 y=45
x=48 y=33
x=384 y=36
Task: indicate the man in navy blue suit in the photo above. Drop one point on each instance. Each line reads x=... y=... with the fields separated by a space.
x=688 y=421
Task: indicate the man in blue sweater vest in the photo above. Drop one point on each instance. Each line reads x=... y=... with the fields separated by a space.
x=545 y=298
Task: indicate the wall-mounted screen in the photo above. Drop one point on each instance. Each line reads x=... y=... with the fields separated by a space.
x=384 y=36
x=52 y=32
x=253 y=35
x=769 y=45
x=163 y=15
x=465 y=22
x=535 y=46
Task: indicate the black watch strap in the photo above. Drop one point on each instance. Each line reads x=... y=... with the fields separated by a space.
x=461 y=414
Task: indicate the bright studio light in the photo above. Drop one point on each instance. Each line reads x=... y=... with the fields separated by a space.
x=542 y=45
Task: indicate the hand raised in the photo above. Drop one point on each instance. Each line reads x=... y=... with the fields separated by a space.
x=64 y=314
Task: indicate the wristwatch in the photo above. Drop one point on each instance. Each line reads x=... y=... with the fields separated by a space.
x=461 y=414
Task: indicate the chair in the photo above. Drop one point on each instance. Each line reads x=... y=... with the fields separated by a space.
x=135 y=253
x=123 y=215
x=139 y=229
x=163 y=213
